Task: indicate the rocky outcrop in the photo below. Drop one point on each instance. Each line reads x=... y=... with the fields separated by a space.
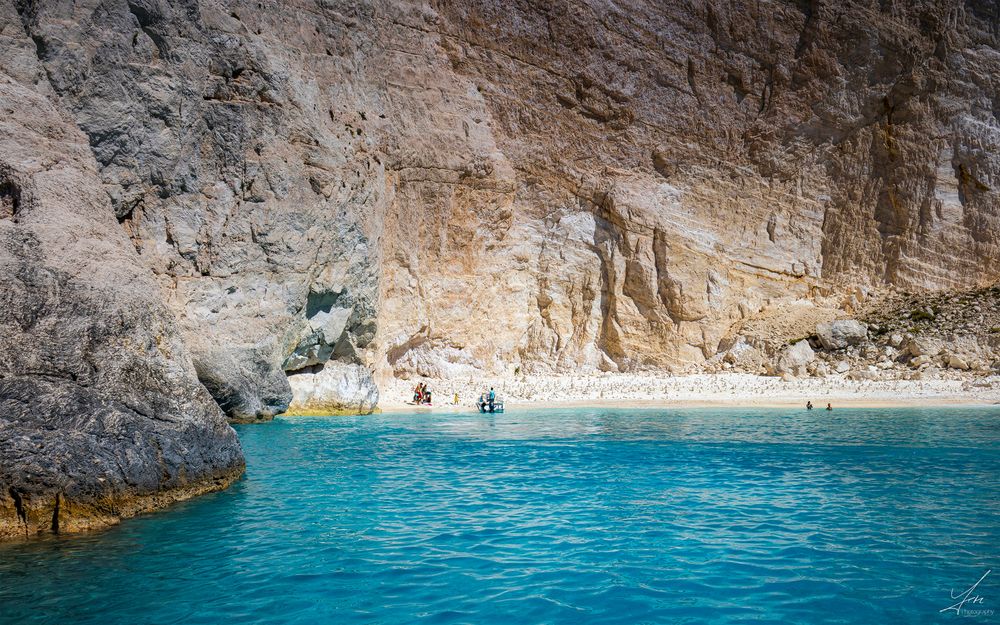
x=794 y=359
x=480 y=187
x=397 y=188
x=101 y=413
x=333 y=389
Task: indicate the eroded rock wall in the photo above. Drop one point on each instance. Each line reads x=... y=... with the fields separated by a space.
x=452 y=188
x=101 y=413
x=667 y=170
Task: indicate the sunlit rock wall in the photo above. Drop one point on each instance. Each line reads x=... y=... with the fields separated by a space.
x=452 y=188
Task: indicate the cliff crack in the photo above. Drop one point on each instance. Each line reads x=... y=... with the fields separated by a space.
x=19 y=508
x=55 y=514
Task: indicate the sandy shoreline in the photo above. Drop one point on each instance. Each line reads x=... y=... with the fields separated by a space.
x=698 y=390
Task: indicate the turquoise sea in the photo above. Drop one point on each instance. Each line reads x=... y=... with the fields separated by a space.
x=557 y=516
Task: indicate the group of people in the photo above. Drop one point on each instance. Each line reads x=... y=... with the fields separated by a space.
x=809 y=406
x=422 y=394
x=487 y=401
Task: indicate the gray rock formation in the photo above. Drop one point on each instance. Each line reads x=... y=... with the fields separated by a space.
x=335 y=388
x=248 y=187
x=794 y=359
x=841 y=333
x=101 y=413
x=475 y=187
x=399 y=188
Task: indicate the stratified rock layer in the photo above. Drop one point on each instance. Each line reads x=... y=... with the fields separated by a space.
x=101 y=413
x=479 y=186
x=460 y=188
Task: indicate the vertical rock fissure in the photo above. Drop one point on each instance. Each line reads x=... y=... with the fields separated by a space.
x=22 y=514
x=55 y=514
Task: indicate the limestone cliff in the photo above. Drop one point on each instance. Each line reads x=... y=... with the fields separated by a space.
x=101 y=414
x=457 y=188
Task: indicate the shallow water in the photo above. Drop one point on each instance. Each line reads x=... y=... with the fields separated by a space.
x=583 y=516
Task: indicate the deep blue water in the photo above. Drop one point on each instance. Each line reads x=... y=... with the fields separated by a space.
x=583 y=516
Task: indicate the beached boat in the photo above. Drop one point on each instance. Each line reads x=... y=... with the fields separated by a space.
x=485 y=406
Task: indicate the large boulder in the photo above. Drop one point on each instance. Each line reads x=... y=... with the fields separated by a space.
x=923 y=346
x=794 y=359
x=957 y=362
x=743 y=356
x=841 y=333
x=332 y=389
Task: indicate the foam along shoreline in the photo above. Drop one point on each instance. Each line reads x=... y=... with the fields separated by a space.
x=706 y=390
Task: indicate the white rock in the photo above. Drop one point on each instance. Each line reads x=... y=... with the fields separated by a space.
x=841 y=333
x=862 y=375
x=337 y=388
x=794 y=359
x=923 y=346
x=956 y=362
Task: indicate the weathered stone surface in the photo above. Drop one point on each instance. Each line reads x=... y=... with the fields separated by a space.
x=957 y=362
x=923 y=346
x=744 y=356
x=481 y=186
x=462 y=188
x=101 y=413
x=841 y=333
x=241 y=150
x=863 y=374
x=794 y=359
x=337 y=388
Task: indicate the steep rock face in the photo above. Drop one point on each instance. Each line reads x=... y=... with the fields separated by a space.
x=246 y=184
x=101 y=414
x=453 y=188
x=679 y=166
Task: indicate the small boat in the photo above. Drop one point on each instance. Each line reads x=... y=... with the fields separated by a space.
x=484 y=406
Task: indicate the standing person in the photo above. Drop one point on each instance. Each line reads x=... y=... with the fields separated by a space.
x=455 y=402
x=427 y=395
x=493 y=397
x=417 y=393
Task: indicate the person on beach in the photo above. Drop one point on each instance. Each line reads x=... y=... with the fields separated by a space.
x=427 y=395
x=809 y=405
x=493 y=397
x=829 y=407
x=417 y=393
x=455 y=402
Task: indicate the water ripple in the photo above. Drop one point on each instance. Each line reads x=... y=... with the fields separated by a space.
x=596 y=516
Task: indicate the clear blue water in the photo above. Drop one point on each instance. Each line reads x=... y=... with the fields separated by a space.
x=584 y=516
